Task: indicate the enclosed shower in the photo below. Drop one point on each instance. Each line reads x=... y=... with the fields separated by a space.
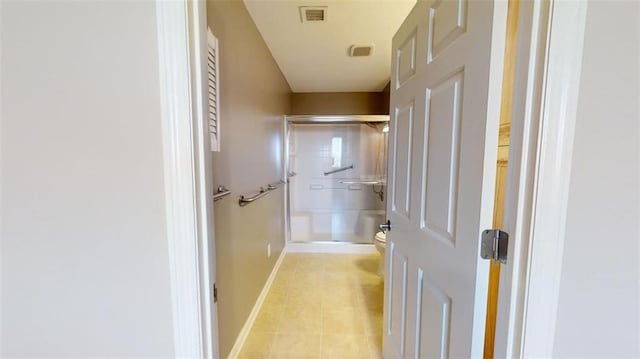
x=337 y=177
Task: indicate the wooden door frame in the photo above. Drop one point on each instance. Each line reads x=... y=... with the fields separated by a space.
x=181 y=28
x=543 y=121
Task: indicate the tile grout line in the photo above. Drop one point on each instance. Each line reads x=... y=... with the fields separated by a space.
x=355 y=277
x=279 y=321
x=287 y=295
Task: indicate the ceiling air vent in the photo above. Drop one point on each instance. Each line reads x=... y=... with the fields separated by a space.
x=360 y=50
x=313 y=13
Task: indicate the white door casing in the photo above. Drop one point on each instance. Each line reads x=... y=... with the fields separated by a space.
x=529 y=69
x=188 y=186
x=198 y=46
x=549 y=66
x=445 y=100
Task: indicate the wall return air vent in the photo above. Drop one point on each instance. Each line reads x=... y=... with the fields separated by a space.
x=313 y=13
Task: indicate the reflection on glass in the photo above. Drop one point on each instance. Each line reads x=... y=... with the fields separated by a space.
x=336 y=151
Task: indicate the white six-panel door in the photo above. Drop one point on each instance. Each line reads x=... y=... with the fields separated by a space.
x=445 y=97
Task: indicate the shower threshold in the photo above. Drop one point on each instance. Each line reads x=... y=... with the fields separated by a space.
x=333 y=238
x=330 y=247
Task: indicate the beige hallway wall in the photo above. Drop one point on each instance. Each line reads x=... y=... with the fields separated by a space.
x=254 y=97
x=85 y=263
x=598 y=311
x=339 y=103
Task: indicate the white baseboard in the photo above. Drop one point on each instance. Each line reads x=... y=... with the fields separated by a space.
x=244 y=333
x=330 y=247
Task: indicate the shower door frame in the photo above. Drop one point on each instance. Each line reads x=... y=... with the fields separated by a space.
x=316 y=120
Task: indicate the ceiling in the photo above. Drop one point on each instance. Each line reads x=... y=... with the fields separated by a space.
x=314 y=56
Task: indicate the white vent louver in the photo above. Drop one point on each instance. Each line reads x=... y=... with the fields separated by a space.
x=213 y=89
x=313 y=13
x=360 y=50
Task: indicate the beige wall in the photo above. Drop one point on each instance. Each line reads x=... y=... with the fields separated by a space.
x=254 y=97
x=598 y=311
x=339 y=103
x=85 y=267
x=386 y=98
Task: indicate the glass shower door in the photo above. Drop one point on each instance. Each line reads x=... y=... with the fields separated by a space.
x=337 y=193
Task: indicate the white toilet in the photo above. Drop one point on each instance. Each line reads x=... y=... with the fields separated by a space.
x=380 y=241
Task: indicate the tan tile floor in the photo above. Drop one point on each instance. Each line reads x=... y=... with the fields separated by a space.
x=320 y=306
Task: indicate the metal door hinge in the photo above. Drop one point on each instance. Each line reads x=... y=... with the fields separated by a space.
x=494 y=245
x=215 y=293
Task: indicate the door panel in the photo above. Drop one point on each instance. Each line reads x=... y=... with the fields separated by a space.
x=406 y=59
x=434 y=319
x=396 y=326
x=442 y=149
x=440 y=177
x=402 y=158
x=448 y=21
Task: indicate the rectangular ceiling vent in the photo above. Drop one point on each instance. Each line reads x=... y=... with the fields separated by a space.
x=313 y=13
x=360 y=50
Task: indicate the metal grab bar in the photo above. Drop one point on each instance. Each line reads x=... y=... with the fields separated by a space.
x=243 y=201
x=339 y=170
x=289 y=175
x=221 y=193
x=275 y=185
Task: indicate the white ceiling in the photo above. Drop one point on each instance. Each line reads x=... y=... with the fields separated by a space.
x=313 y=56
